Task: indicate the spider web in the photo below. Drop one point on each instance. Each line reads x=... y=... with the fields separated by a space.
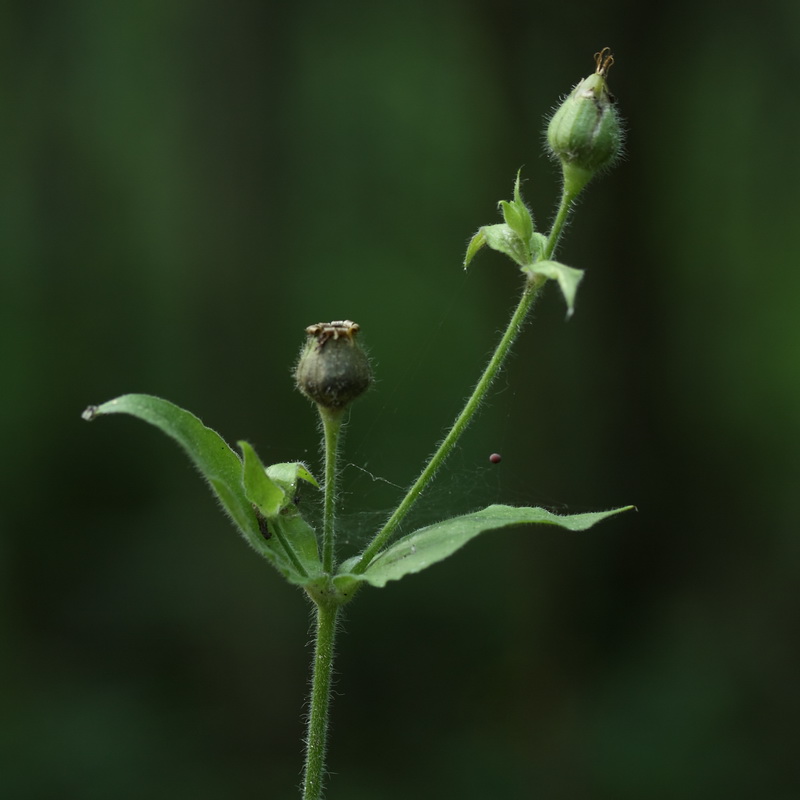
x=466 y=482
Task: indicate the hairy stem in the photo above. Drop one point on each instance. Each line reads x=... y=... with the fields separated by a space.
x=479 y=392
x=332 y=426
x=459 y=426
x=316 y=742
x=564 y=207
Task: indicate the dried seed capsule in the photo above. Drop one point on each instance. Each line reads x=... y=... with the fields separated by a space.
x=332 y=369
x=585 y=133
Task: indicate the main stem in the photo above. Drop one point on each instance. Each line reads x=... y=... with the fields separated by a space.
x=316 y=743
x=326 y=613
x=529 y=294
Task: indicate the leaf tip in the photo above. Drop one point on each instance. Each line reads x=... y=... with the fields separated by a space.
x=475 y=244
x=89 y=413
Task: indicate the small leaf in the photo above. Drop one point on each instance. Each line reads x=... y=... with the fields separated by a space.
x=503 y=239
x=568 y=279
x=259 y=489
x=287 y=474
x=475 y=244
x=300 y=542
x=294 y=534
x=427 y=546
x=218 y=464
x=518 y=218
x=537 y=244
x=525 y=226
x=517 y=193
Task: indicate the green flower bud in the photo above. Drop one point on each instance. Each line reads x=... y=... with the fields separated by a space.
x=332 y=369
x=585 y=132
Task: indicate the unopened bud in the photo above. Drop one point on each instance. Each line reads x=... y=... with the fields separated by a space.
x=332 y=369
x=585 y=132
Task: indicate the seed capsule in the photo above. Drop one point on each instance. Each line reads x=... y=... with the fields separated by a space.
x=332 y=369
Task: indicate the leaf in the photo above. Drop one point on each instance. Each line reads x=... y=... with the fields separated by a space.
x=475 y=244
x=427 y=546
x=258 y=487
x=218 y=464
x=296 y=537
x=520 y=219
x=568 y=279
x=503 y=239
x=287 y=474
x=300 y=542
x=537 y=244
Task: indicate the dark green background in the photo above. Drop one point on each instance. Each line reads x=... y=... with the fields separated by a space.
x=186 y=186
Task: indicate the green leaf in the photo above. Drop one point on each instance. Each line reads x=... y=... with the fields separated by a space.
x=475 y=244
x=517 y=193
x=287 y=474
x=427 y=546
x=258 y=487
x=523 y=219
x=300 y=543
x=503 y=239
x=217 y=463
x=281 y=517
x=537 y=244
x=518 y=218
x=568 y=279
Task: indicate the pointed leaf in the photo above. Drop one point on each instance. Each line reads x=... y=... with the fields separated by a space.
x=287 y=474
x=526 y=228
x=518 y=218
x=517 y=193
x=281 y=518
x=427 y=546
x=217 y=463
x=568 y=279
x=475 y=244
x=258 y=487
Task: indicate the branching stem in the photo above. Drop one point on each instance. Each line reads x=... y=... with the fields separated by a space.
x=499 y=356
x=327 y=612
x=459 y=426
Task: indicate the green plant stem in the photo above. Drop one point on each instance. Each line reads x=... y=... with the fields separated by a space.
x=529 y=294
x=459 y=426
x=317 y=740
x=564 y=207
x=331 y=426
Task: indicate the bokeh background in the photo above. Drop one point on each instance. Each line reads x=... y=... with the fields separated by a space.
x=186 y=185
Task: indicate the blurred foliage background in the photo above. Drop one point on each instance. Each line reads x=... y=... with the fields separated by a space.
x=186 y=185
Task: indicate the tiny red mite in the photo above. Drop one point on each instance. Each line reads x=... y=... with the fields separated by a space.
x=495 y=458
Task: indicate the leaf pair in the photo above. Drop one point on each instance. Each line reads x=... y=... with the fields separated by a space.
x=518 y=239
x=261 y=502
